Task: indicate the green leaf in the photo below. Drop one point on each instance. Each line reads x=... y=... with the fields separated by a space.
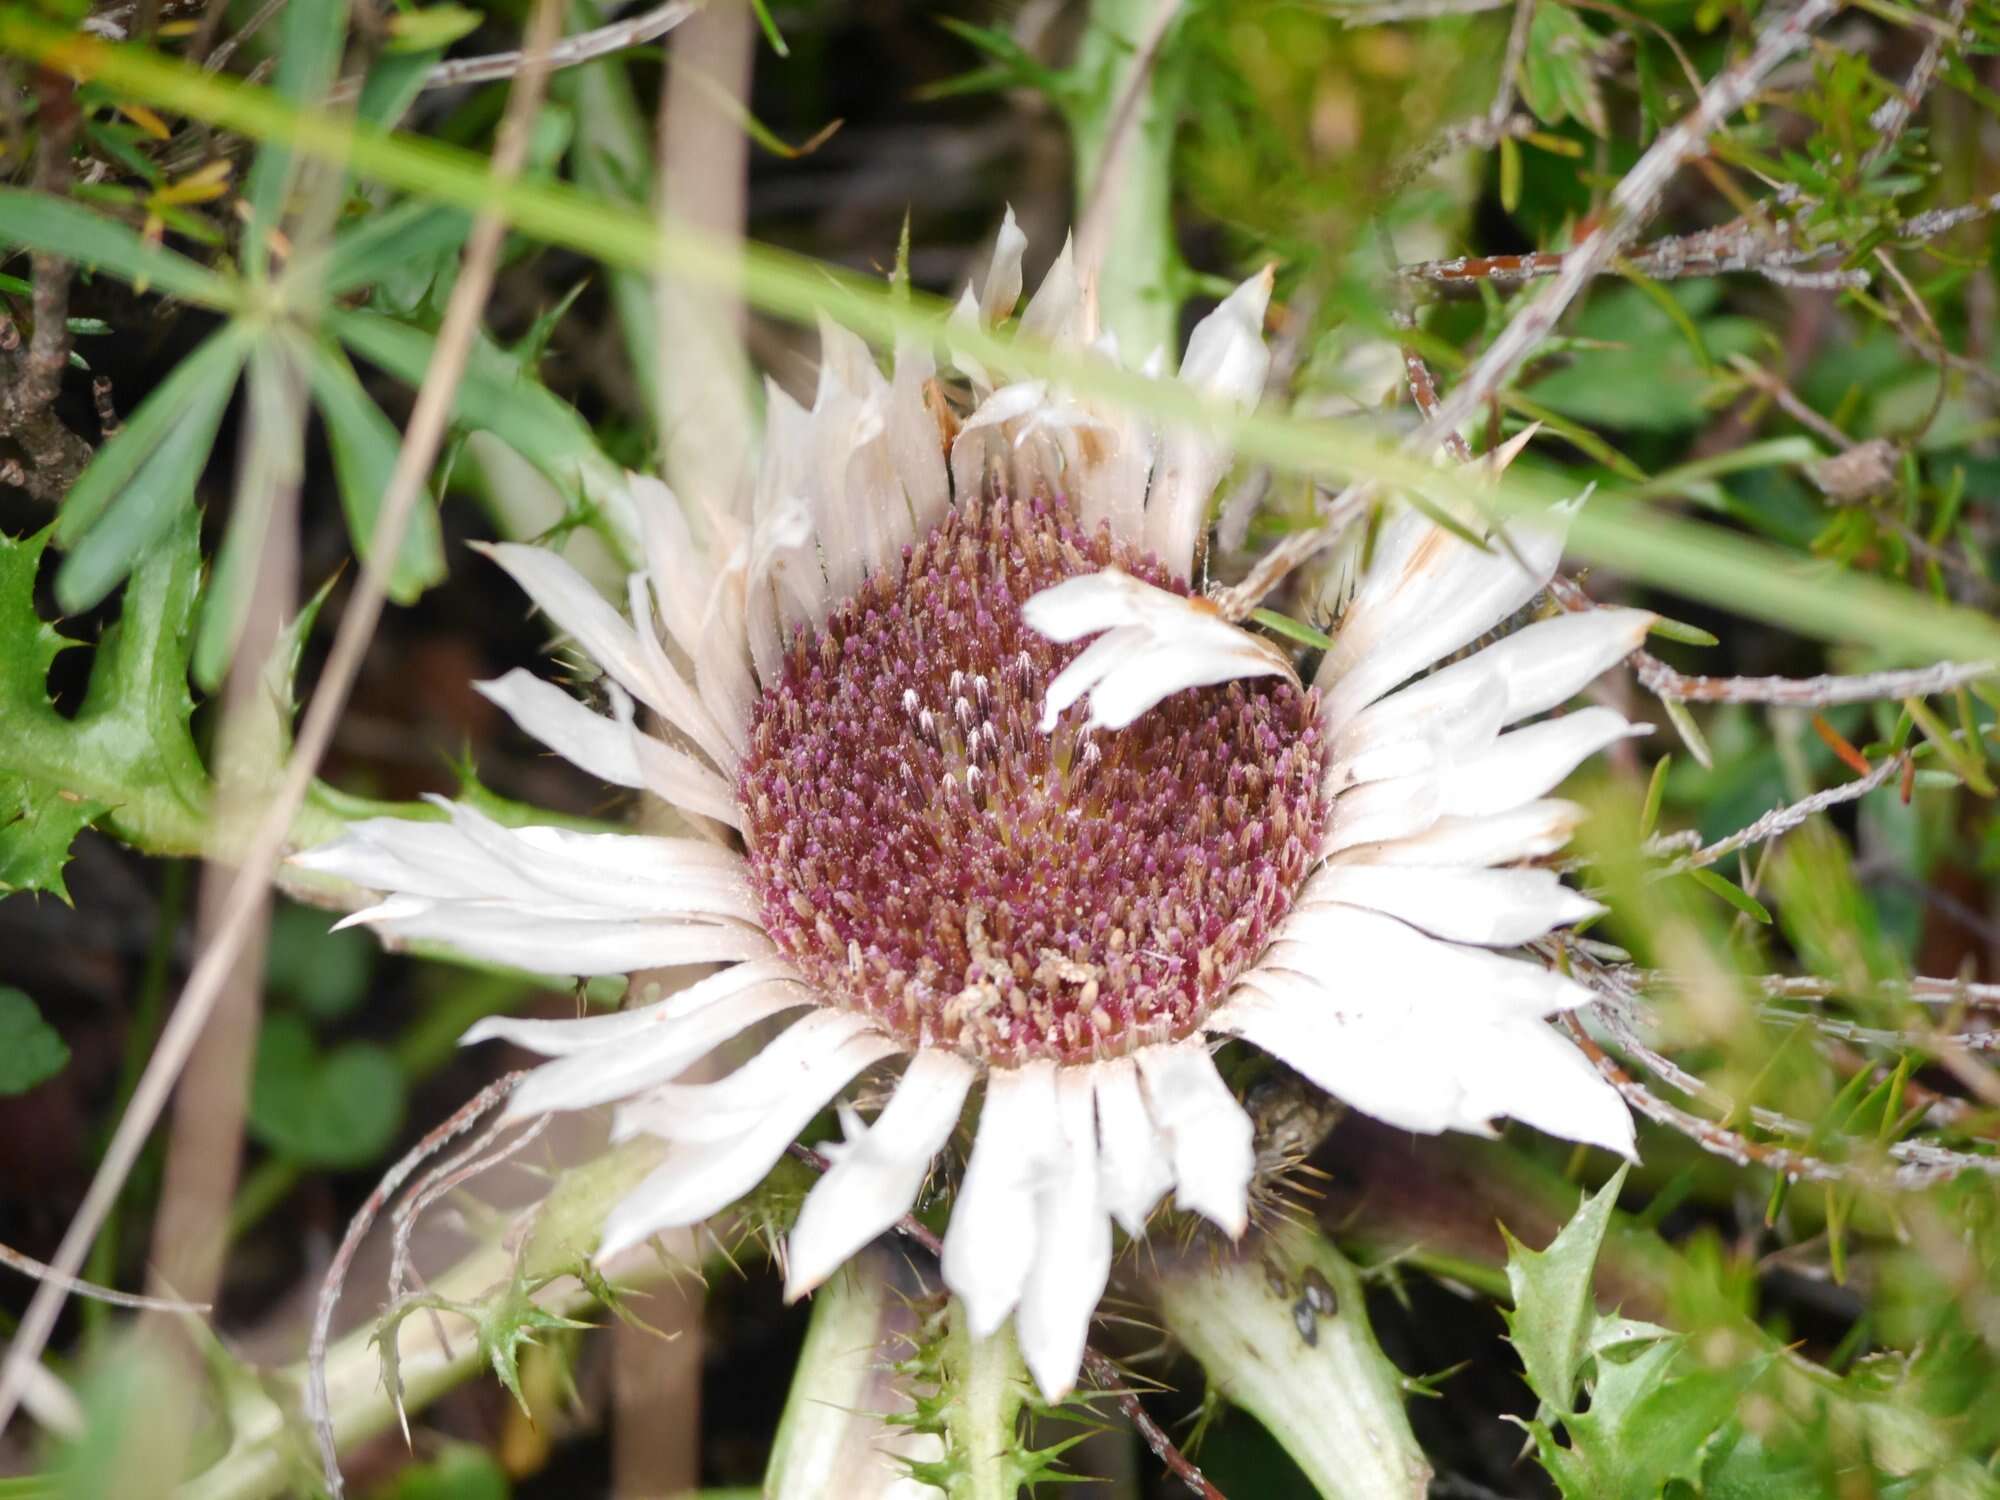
x=161 y=488
x=365 y=444
x=126 y=756
x=1733 y=893
x=1647 y=1426
x=387 y=241
x=30 y=1051
x=58 y=226
x=461 y=1471
x=335 y=1109
x=393 y=83
x=432 y=28
x=1553 y=1315
x=308 y=54
x=495 y=396
x=1557 y=78
x=38 y=822
x=1652 y=379
x=164 y=423
x=322 y=971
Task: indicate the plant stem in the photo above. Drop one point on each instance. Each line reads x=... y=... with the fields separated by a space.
x=986 y=1385
x=1124 y=142
x=844 y=1386
x=1281 y=1330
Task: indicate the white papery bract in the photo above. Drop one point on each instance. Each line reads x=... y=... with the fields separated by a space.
x=937 y=848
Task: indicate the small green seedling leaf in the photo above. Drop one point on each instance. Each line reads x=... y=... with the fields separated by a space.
x=30 y=1051
x=336 y=1109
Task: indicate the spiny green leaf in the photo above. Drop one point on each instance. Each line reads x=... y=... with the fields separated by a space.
x=30 y=1051
x=510 y=1324
x=1648 y=1426
x=38 y=823
x=130 y=736
x=1553 y=1315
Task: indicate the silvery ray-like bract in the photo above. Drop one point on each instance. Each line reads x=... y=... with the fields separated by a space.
x=982 y=794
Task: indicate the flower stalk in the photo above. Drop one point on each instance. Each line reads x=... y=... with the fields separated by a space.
x=1280 y=1328
x=846 y=1414
x=1123 y=131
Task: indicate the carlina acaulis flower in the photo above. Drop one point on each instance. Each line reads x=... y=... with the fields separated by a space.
x=941 y=834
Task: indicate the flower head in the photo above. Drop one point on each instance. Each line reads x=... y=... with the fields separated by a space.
x=930 y=824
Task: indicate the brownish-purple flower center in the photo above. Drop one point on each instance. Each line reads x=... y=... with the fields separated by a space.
x=924 y=853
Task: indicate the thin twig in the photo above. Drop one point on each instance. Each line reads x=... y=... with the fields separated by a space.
x=1630 y=205
x=1423 y=391
x=1510 y=65
x=1732 y=1146
x=1738 y=246
x=1806 y=692
x=262 y=850
x=31 y=378
x=318 y=1408
x=1921 y=1163
x=1102 y=1370
x=227 y=47
x=27 y=1265
x=1412 y=10
x=568 y=52
x=472 y=1162
x=1892 y=117
x=1793 y=692
x=1236 y=601
x=1933 y=222
x=1782 y=820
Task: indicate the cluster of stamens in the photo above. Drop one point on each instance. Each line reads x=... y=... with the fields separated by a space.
x=922 y=851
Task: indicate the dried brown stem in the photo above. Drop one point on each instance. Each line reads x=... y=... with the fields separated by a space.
x=1423 y=391
x=1740 y=245
x=31 y=378
x=27 y=1265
